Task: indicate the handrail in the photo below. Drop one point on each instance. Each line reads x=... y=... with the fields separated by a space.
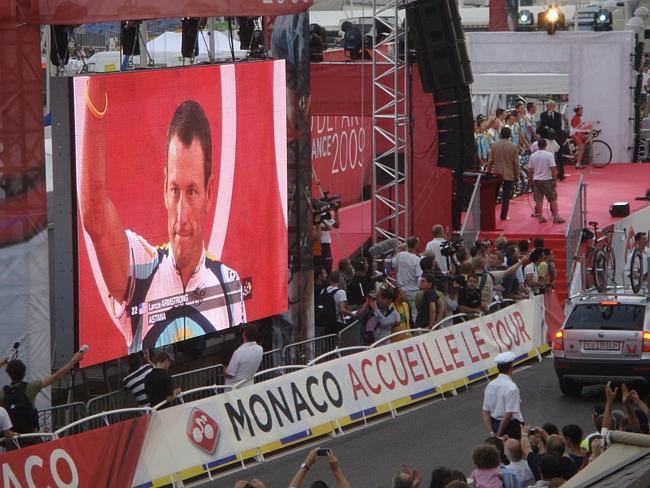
x=461 y=316
x=574 y=226
x=52 y=436
x=396 y=334
x=199 y=389
x=338 y=351
x=266 y=371
x=473 y=214
x=103 y=415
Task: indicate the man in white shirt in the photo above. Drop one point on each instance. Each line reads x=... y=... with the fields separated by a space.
x=5 y=424
x=435 y=245
x=326 y=226
x=501 y=402
x=533 y=281
x=518 y=464
x=543 y=173
x=246 y=359
x=407 y=265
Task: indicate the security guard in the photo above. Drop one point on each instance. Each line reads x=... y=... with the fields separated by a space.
x=502 y=403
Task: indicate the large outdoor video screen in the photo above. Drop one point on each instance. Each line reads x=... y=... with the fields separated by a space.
x=181 y=198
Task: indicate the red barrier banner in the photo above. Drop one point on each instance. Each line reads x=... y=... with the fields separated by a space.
x=104 y=457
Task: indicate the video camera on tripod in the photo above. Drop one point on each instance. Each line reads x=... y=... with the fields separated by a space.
x=321 y=207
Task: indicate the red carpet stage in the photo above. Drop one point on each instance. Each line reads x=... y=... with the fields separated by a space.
x=614 y=183
x=355 y=229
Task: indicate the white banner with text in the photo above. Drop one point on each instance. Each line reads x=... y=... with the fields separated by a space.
x=213 y=431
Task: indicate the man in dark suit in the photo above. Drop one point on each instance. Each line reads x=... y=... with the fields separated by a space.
x=550 y=118
x=550 y=123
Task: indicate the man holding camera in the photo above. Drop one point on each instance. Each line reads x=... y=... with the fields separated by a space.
x=407 y=266
x=326 y=225
x=435 y=246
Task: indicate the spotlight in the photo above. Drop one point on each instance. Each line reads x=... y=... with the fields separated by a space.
x=353 y=43
x=525 y=21
x=603 y=20
x=552 y=19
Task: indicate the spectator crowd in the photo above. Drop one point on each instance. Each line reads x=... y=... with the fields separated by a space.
x=428 y=286
x=537 y=456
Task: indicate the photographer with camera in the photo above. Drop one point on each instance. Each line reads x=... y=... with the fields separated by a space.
x=361 y=284
x=407 y=266
x=310 y=460
x=487 y=279
x=435 y=247
x=384 y=313
x=322 y=209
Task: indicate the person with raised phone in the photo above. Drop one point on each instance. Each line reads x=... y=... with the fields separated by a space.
x=19 y=398
x=310 y=460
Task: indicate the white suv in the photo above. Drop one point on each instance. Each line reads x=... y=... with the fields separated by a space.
x=604 y=338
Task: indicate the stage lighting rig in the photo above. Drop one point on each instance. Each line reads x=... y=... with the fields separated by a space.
x=353 y=44
x=603 y=20
x=317 y=42
x=525 y=21
x=552 y=19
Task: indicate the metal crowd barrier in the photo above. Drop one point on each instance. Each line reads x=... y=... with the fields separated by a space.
x=461 y=316
x=211 y=375
x=304 y=351
x=472 y=224
x=197 y=394
x=351 y=336
x=101 y=420
x=114 y=400
x=575 y=223
x=271 y=359
x=337 y=353
x=499 y=304
x=407 y=333
x=268 y=374
x=53 y=418
x=15 y=440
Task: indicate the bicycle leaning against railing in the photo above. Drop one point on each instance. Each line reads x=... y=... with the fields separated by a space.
x=636 y=267
x=600 y=269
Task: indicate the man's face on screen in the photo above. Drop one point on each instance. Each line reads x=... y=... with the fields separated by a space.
x=187 y=200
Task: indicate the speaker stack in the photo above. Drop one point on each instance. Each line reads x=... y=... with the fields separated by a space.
x=437 y=36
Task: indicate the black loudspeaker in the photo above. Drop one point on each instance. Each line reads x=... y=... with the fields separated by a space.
x=619 y=209
x=437 y=36
x=190 y=37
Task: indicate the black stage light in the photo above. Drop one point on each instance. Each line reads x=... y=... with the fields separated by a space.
x=552 y=19
x=525 y=21
x=353 y=43
x=317 y=40
x=603 y=20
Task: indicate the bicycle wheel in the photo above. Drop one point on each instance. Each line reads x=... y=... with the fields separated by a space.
x=601 y=153
x=636 y=271
x=600 y=270
x=610 y=263
x=589 y=269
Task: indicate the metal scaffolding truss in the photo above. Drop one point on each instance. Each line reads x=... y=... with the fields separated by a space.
x=390 y=124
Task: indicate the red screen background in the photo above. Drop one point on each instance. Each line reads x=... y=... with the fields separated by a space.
x=141 y=105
